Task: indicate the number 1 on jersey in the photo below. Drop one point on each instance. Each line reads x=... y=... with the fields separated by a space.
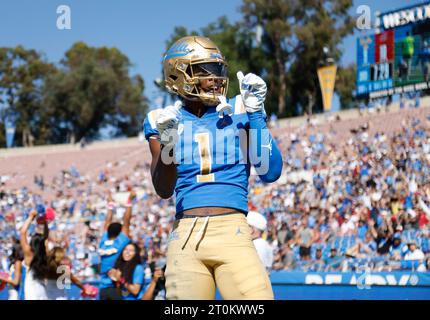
x=205 y=175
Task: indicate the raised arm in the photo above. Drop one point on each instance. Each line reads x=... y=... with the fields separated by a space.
x=109 y=215
x=265 y=153
x=26 y=249
x=128 y=213
x=263 y=150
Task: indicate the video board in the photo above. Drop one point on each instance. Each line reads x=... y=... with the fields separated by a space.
x=396 y=58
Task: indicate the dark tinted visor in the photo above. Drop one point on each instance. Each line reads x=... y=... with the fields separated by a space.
x=210 y=69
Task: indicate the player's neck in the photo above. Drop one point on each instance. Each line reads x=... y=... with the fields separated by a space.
x=196 y=107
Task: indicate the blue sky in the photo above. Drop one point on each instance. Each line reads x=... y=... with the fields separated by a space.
x=139 y=28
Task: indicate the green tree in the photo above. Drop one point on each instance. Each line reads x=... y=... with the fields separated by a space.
x=322 y=24
x=92 y=90
x=22 y=74
x=274 y=17
x=295 y=33
x=345 y=86
x=236 y=44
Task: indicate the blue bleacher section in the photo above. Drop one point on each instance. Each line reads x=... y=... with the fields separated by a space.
x=343 y=243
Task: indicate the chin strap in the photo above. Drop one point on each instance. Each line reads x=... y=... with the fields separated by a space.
x=224 y=107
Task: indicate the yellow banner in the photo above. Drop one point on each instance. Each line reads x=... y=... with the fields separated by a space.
x=327 y=78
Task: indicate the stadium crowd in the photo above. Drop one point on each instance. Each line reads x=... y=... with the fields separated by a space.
x=354 y=196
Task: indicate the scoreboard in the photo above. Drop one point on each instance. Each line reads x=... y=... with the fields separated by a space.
x=396 y=58
x=375 y=59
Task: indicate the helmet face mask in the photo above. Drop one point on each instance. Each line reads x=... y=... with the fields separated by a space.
x=195 y=69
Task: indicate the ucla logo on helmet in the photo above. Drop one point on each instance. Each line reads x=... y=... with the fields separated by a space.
x=216 y=55
x=179 y=49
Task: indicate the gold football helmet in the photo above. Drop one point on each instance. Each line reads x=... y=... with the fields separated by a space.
x=191 y=60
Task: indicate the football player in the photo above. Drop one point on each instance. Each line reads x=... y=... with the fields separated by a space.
x=199 y=152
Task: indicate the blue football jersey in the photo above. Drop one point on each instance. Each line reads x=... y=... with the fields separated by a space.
x=211 y=158
x=109 y=251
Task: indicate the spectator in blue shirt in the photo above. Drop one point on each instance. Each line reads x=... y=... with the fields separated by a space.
x=318 y=262
x=333 y=261
x=397 y=249
x=128 y=273
x=113 y=241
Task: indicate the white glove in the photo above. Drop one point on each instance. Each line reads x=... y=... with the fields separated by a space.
x=224 y=107
x=253 y=90
x=167 y=123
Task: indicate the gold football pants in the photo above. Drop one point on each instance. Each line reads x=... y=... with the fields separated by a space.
x=216 y=251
